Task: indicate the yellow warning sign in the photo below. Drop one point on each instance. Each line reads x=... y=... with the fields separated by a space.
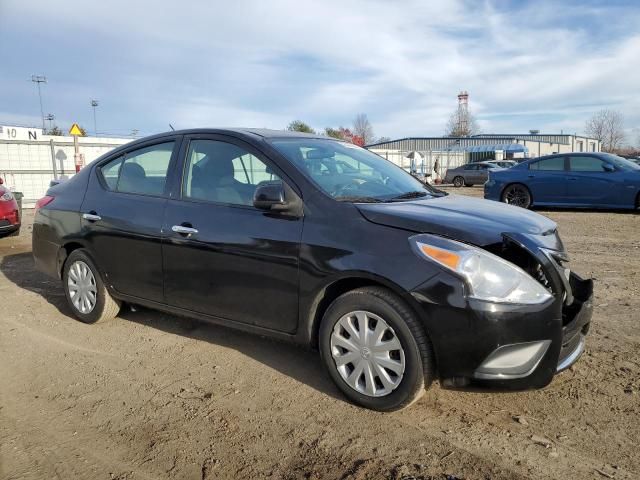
x=75 y=130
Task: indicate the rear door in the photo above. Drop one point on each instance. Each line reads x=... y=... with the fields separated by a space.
x=122 y=216
x=238 y=262
x=483 y=173
x=589 y=183
x=547 y=180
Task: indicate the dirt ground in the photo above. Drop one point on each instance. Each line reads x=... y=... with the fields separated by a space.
x=150 y=395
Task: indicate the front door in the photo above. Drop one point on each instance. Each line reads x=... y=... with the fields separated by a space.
x=591 y=183
x=122 y=218
x=234 y=261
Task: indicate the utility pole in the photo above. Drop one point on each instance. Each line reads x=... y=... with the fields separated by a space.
x=38 y=79
x=94 y=104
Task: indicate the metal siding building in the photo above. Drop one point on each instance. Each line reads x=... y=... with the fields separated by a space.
x=537 y=144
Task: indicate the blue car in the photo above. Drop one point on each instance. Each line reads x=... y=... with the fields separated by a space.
x=585 y=180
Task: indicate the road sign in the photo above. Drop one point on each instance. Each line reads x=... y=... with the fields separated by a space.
x=77 y=156
x=75 y=130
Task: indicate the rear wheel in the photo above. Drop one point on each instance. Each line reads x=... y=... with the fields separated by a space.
x=458 y=182
x=517 y=195
x=375 y=349
x=85 y=290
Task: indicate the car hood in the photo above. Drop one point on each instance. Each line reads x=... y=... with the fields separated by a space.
x=472 y=220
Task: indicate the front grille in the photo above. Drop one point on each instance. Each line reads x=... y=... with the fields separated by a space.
x=538 y=273
x=527 y=262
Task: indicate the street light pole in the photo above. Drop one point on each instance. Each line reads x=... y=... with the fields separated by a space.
x=50 y=117
x=94 y=104
x=38 y=79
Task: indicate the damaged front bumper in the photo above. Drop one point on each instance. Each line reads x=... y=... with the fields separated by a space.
x=509 y=346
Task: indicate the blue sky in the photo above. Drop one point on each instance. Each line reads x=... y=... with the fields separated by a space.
x=546 y=65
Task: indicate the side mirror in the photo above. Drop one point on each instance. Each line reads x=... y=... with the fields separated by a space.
x=607 y=167
x=270 y=196
x=1 y=181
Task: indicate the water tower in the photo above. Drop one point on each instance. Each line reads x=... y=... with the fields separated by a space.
x=463 y=113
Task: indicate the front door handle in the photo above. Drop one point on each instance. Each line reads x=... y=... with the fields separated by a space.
x=182 y=230
x=91 y=216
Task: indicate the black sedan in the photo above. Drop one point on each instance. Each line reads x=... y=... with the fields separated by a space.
x=323 y=243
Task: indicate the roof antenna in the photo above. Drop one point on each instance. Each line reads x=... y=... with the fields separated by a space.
x=172 y=127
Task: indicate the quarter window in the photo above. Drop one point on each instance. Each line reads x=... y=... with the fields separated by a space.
x=223 y=172
x=550 y=164
x=586 y=164
x=141 y=171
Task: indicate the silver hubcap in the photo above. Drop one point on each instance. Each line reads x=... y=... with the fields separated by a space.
x=82 y=287
x=367 y=353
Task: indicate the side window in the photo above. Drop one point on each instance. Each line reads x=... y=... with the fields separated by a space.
x=470 y=166
x=140 y=171
x=586 y=164
x=223 y=172
x=111 y=172
x=550 y=164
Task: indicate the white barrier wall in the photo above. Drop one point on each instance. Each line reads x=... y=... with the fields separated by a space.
x=424 y=161
x=29 y=160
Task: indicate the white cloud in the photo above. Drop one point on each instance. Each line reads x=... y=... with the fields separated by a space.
x=265 y=63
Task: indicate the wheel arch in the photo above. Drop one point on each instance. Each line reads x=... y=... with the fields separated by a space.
x=332 y=290
x=63 y=253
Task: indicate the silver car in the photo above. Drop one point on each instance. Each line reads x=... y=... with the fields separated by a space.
x=469 y=174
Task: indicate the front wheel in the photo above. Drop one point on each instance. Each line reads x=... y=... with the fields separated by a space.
x=375 y=349
x=85 y=291
x=517 y=195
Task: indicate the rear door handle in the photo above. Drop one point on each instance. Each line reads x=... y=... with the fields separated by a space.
x=531 y=176
x=184 y=230
x=573 y=178
x=92 y=217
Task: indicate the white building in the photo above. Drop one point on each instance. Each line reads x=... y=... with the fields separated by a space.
x=29 y=160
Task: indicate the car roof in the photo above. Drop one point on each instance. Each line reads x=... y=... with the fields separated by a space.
x=242 y=132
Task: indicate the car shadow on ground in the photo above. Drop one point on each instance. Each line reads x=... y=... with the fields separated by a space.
x=291 y=360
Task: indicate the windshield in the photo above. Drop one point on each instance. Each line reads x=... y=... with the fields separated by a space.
x=349 y=173
x=621 y=163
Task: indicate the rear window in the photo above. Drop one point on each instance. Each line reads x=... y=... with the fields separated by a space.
x=141 y=171
x=549 y=164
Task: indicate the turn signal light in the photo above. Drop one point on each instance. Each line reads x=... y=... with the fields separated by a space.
x=445 y=257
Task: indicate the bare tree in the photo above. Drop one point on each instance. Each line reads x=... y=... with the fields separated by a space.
x=608 y=127
x=462 y=124
x=363 y=129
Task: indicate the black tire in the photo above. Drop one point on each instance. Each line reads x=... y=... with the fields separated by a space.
x=418 y=353
x=518 y=195
x=458 y=182
x=15 y=233
x=106 y=307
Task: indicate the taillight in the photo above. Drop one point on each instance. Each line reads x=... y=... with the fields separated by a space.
x=46 y=200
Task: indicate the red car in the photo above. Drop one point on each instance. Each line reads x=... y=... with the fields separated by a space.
x=9 y=212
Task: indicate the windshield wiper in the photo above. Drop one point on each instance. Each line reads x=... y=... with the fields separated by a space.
x=356 y=199
x=408 y=195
